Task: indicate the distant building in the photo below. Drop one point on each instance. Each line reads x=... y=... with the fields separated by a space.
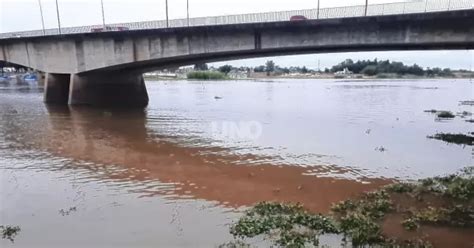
x=346 y=71
x=238 y=74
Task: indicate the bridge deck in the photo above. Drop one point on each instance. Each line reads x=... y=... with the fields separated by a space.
x=323 y=13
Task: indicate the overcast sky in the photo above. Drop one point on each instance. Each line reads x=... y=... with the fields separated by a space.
x=20 y=15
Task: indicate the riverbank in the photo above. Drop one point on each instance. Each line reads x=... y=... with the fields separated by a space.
x=264 y=76
x=357 y=76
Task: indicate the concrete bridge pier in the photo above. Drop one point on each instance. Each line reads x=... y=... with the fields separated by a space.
x=116 y=89
x=56 y=88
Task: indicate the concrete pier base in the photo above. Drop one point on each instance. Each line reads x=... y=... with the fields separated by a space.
x=56 y=89
x=101 y=89
x=108 y=89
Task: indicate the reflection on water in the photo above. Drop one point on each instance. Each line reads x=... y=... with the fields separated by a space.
x=161 y=176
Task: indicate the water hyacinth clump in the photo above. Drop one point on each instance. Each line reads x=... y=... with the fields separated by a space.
x=458 y=186
x=360 y=220
x=290 y=224
x=460 y=139
x=445 y=114
x=9 y=232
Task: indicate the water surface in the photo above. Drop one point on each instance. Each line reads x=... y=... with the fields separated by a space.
x=171 y=175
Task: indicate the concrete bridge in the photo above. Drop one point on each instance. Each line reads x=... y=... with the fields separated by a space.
x=106 y=68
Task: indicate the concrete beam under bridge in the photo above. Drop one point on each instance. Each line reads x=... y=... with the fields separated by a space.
x=102 y=89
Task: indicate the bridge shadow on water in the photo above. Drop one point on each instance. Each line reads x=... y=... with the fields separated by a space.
x=119 y=138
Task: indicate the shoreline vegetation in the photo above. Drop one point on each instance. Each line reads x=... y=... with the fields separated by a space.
x=348 y=69
x=422 y=210
x=206 y=75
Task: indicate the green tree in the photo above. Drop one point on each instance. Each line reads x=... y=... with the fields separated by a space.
x=225 y=69
x=269 y=66
x=259 y=68
x=304 y=70
x=370 y=70
x=446 y=72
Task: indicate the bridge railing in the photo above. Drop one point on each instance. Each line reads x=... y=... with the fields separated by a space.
x=414 y=6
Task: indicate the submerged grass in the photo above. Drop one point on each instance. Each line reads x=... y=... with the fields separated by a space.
x=360 y=220
x=460 y=139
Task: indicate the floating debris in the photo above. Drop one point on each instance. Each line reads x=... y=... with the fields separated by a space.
x=67 y=212
x=380 y=149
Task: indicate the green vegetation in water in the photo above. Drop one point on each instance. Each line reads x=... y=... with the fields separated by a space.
x=445 y=114
x=441 y=113
x=459 y=216
x=360 y=220
x=206 y=75
x=465 y=113
x=458 y=186
x=235 y=244
x=9 y=232
x=460 y=139
x=468 y=103
x=290 y=225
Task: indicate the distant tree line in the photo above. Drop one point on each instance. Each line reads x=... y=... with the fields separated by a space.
x=269 y=67
x=367 y=67
x=374 y=67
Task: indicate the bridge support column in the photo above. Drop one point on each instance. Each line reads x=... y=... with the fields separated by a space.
x=56 y=89
x=118 y=89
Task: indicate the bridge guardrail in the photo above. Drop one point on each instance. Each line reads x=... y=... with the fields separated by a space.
x=323 y=13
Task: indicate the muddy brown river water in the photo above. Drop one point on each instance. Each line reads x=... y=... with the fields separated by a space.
x=177 y=173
